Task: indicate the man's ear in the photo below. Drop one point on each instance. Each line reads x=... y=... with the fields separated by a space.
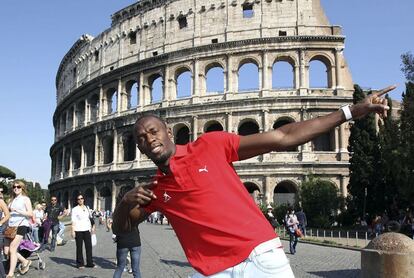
x=170 y=133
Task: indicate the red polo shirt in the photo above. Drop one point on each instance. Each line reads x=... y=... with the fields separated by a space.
x=215 y=219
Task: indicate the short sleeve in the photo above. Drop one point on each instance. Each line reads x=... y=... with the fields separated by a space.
x=225 y=142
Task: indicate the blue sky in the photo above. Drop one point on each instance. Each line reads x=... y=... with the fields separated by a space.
x=37 y=34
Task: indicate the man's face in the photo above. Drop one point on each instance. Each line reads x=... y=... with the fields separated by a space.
x=53 y=200
x=153 y=139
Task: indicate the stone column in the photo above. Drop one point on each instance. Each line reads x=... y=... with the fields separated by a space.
x=302 y=78
x=97 y=155
x=119 y=98
x=266 y=76
x=82 y=159
x=115 y=150
x=344 y=155
x=166 y=96
x=338 y=68
x=267 y=190
x=101 y=102
x=95 y=197
x=229 y=75
x=113 y=195
x=63 y=162
x=87 y=112
x=336 y=137
x=70 y=161
x=196 y=79
x=229 y=122
x=142 y=97
x=344 y=184
x=265 y=126
x=195 y=128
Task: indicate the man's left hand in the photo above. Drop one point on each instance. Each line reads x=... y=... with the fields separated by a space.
x=374 y=103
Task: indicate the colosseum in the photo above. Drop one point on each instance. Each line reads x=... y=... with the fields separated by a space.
x=188 y=62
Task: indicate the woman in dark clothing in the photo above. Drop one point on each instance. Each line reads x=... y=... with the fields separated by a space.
x=127 y=242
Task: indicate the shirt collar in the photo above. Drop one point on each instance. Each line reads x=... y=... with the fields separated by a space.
x=180 y=151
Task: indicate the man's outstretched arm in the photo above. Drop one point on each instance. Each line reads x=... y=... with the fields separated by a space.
x=298 y=133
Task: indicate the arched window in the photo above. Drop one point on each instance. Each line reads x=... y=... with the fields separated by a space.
x=324 y=142
x=156 y=87
x=132 y=91
x=67 y=159
x=105 y=199
x=319 y=73
x=254 y=191
x=184 y=80
x=89 y=198
x=248 y=128
x=76 y=156
x=213 y=126
x=80 y=113
x=111 y=101
x=89 y=148
x=182 y=136
x=248 y=77
x=129 y=147
x=281 y=122
x=285 y=193
x=94 y=107
x=283 y=75
x=215 y=80
x=108 y=149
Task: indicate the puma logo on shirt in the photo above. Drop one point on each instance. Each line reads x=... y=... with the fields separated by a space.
x=203 y=169
x=166 y=197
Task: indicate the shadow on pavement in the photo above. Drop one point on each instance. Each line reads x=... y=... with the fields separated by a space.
x=104 y=263
x=64 y=261
x=338 y=273
x=173 y=262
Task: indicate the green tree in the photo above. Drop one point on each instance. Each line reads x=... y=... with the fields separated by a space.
x=320 y=201
x=407 y=66
x=406 y=188
x=364 y=150
x=6 y=173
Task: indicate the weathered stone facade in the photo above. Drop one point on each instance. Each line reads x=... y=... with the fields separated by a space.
x=104 y=83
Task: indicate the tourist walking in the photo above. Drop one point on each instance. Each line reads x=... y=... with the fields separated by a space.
x=303 y=221
x=53 y=213
x=292 y=227
x=218 y=224
x=38 y=215
x=81 y=231
x=20 y=213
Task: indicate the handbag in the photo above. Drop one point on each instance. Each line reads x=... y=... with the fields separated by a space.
x=10 y=232
x=93 y=239
x=298 y=232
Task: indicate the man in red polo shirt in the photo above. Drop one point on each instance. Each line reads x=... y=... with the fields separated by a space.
x=198 y=190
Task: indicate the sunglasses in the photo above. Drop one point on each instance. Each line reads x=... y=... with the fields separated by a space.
x=53 y=200
x=80 y=199
x=17 y=186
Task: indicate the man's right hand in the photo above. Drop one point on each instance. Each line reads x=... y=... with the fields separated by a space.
x=141 y=195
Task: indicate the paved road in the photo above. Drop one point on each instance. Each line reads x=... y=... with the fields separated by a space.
x=162 y=256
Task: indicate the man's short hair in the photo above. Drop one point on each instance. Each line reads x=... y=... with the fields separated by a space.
x=144 y=116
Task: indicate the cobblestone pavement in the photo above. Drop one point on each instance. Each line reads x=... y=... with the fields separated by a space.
x=162 y=257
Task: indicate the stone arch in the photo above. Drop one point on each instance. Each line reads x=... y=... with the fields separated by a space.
x=76 y=155
x=285 y=192
x=128 y=146
x=108 y=149
x=254 y=191
x=89 y=150
x=247 y=127
x=248 y=75
x=111 y=97
x=214 y=78
x=94 y=107
x=183 y=82
x=283 y=66
x=65 y=200
x=181 y=134
x=74 y=201
x=281 y=122
x=132 y=93
x=105 y=198
x=88 y=195
x=316 y=61
x=80 y=113
x=156 y=87
x=324 y=142
x=213 y=126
